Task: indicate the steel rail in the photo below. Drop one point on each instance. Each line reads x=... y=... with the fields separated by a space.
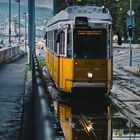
x=128 y=85
x=125 y=109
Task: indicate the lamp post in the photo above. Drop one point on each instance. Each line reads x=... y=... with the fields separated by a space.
x=31 y=31
x=19 y=19
x=130 y=36
x=10 y=23
x=25 y=30
x=54 y=7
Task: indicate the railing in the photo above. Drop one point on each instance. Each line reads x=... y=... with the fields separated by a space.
x=8 y=53
x=44 y=117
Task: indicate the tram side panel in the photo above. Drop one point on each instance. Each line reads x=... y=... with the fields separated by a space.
x=56 y=70
x=66 y=73
x=61 y=71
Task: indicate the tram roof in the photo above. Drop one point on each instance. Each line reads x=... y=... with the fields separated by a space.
x=91 y=12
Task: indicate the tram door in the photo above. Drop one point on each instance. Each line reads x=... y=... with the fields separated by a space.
x=62 y=59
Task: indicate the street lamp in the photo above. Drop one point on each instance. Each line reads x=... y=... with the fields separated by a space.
x=25 y=30
x=31 y=31
x=54 y=7
x=19 y=19
x=10 y=23
x=131 y=35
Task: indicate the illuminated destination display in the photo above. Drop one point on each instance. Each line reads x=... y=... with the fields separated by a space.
x=93 y=32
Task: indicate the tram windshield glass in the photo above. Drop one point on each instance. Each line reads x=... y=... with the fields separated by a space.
x=90 y=43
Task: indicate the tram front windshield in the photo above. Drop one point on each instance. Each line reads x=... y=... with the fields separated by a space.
x=90 y=43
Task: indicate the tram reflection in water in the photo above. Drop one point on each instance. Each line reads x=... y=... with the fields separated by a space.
x=84 y=120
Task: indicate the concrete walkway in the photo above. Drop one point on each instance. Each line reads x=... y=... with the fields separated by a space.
x=126 y=45
x=12 y=89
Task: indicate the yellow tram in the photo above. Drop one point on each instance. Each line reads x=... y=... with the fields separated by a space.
x=79 y=49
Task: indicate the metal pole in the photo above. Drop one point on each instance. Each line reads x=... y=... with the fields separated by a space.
x=54 y=7
x=129 y=130
x=10 y=23
x=25 y=31
x=130 y=36
x=19 y=20
x=31 y=32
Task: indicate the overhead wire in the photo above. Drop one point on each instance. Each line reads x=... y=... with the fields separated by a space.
x=67 y=2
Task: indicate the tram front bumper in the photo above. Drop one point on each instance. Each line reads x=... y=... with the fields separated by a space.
x=90 y=87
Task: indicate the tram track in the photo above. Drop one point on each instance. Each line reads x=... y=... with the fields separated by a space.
x=129 y=82
x=126 y=110
x=126 y=95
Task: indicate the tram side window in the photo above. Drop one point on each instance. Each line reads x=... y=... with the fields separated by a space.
x=50 y=40
x=45 y=37
x=62 y=43
x=55 y=43
x=69 y=44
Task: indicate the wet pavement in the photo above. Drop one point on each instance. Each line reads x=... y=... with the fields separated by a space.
x=12 y=89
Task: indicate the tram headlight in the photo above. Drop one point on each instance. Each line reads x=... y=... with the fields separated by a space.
x=90 y=75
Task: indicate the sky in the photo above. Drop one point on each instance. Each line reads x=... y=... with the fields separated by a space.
x=41 y=3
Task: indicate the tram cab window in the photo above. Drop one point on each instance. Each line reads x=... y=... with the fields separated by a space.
x=69 y=44
x=90 y=43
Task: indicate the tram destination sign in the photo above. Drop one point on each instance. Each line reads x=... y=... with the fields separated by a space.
x=90 y=32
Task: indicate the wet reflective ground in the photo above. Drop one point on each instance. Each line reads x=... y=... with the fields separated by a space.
x=11 y=99
x=14 y=101
x=95 y=119
x=123 y=128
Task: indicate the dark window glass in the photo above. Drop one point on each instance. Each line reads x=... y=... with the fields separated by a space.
x=69 y=44
x=90 y=43
x=55 y=44
x=81 y=21
x=62 y=43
